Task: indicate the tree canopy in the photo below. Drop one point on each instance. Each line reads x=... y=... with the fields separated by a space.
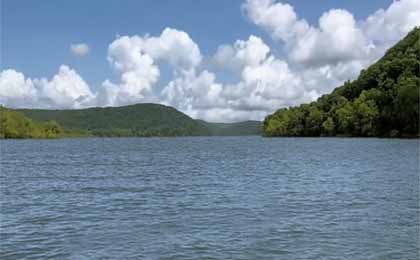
x=15 y=125
x=382 y=101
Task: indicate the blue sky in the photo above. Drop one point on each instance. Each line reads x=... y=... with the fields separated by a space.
x=247 y=57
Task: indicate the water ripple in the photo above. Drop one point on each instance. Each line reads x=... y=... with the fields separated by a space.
x=210 y=198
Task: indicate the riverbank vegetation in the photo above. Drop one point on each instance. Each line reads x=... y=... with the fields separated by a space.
x=15 y=125
x=383 y=101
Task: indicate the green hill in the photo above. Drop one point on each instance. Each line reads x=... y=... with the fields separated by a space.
x=382 y=101
x=133 y=120
x=233 y=129
x=14 y=124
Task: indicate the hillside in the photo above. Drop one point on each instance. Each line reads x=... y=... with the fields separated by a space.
x=233 y=129
x=125 y=121
x=14 y=124
x=382 y=101
x=133 y=120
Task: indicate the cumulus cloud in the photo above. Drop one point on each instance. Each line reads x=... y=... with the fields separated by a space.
x=15 y=90
x=317 y=58
x=65 y=90
x=79 y=49
x=279 y=19
x=137 y=58
x=266 y=83
x=338 y=37
x=242 y=53
x=388 y=26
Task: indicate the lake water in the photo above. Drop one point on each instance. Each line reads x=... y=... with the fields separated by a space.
x=210 y=198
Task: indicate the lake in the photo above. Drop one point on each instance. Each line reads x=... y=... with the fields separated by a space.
x=210 y=198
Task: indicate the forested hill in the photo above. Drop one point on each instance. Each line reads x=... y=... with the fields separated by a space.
x=14 y=124
x=133 y=120
x=382 y=101
x=234 y=129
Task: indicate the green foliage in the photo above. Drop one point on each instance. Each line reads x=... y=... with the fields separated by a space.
x=15 y=125
x=313 y=121
x=346 y=118
x=366 y=113
x=141 y=120
x=328 y=126
x=52 y=129
x=383 y=101
x=407 y=104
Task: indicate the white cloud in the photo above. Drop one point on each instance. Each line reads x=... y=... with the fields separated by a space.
x=175 y=47
x=191 y=91
x=138 y=58
x=338 y=37
x=279 y=19
x=65 y=90
x=172 y=46
x=15 y=90
x=388 y=26
x=139 y=71
x=265 y=84
x=79 y=49
x=243 y=53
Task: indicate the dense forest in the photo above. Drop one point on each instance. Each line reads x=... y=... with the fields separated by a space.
x=134 y=120
x=382 y=101
x=14 y=124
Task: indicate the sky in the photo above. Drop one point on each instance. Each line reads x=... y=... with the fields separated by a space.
x=221 y=61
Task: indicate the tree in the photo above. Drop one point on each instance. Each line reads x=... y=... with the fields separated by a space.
x=346 y=118
x=328 y=126
x=52 y=129
x=313 y=122
x=407 y=105
x=366 y=113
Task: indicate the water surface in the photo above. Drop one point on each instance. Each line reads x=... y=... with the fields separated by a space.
x=210 y=198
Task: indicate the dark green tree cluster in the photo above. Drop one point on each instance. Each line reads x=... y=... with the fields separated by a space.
x=15 y=125
x=383 y=101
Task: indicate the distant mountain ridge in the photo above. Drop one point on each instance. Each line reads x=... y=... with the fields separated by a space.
x=132 y=120
x=243 y=128
x=136 y=120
